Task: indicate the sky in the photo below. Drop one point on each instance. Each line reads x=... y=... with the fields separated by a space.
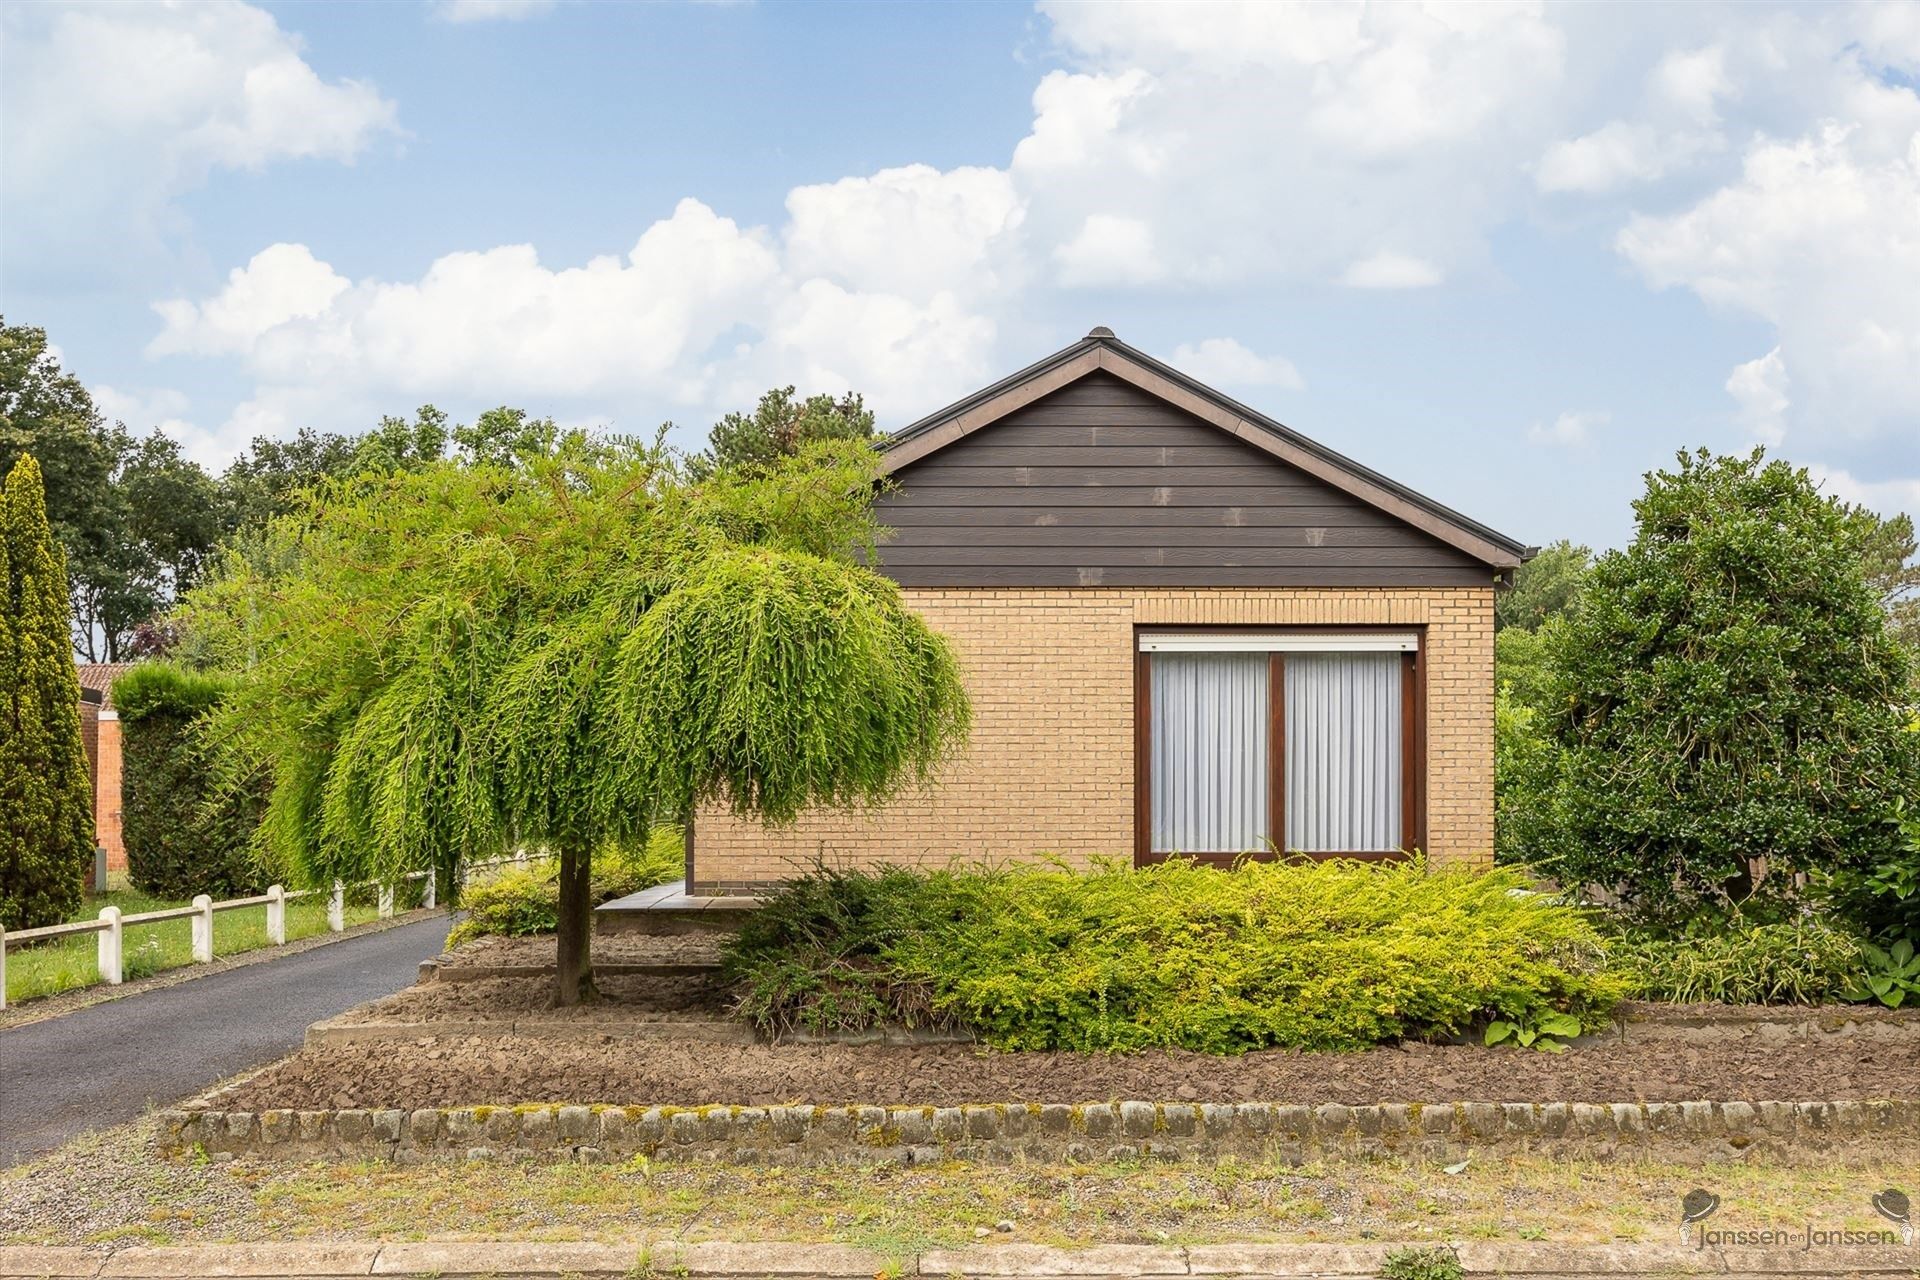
x=1513 y=256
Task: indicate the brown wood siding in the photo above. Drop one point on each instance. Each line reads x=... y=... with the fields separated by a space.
x=1102 y=484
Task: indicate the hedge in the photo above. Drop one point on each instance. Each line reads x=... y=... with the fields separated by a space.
x=185 y=833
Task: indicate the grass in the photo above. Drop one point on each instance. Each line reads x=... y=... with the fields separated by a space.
x=48 y=968
x=110 y=1186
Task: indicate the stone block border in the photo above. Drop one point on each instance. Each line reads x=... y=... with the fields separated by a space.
x=763 y=1260
x=1091 y=1133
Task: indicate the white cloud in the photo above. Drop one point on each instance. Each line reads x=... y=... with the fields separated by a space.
x=1820 y=237
x=1888 y=497
x=1760 y=388
x=1256 y=141
x=700 y=312
x=1389 y=270
x=282 y=282
x=1109 y=250
x=1227 y=363
x=490 y=10
x=914 y=230
x=1570 y=430
x=131 y=105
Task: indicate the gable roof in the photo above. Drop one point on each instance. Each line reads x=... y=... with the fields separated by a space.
x=1100 y=350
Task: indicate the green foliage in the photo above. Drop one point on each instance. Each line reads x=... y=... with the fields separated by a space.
x=1882 y=897
x=1411 y=1262
x=1892 y=975
x=521 y=901
x=1887 y=551
x=449 y=661
x=1544 y=588
x=1724 y=699
x=1526 y=761
x=1547 y=1031
x=1739 y=961
x=1320 y=956
x=46 y=796
x=781 y=427
x=185 y=832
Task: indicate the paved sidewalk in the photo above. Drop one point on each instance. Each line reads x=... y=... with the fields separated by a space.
x=839 y=1262
x=107 y=1063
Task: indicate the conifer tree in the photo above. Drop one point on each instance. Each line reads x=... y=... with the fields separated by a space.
x=46 y=798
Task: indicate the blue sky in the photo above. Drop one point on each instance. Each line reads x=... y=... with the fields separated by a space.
x=1513 y=256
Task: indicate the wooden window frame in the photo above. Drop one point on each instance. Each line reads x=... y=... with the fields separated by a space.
x=1413 y=747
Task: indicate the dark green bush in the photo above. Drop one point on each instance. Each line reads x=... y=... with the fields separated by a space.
x=1736 y=961
x=185 y=832
x=520 y=901
x=1313 y=956
x=1726 y=701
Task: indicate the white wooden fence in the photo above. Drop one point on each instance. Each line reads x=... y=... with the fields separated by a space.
x=111 y=924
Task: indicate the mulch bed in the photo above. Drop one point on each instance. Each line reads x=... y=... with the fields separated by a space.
x=506 y=1069
x=627 y=998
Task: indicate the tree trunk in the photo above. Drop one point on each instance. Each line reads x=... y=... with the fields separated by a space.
x=573 y=969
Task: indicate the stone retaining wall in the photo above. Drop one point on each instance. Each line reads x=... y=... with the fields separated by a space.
x=1091 y=1133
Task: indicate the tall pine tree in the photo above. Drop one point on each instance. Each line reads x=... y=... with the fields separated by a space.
x=46 y=800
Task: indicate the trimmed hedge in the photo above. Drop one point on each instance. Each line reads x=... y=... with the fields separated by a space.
x=185 y=833
x=1332 y=955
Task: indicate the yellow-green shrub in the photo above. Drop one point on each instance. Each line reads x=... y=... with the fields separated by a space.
x=526 y=900
x=1315 y=956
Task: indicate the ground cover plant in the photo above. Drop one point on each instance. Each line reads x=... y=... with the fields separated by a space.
x=522 y=901
x=1799 y=961
x=1328 y=955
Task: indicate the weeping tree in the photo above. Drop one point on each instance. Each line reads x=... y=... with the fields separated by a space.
x=565 y=652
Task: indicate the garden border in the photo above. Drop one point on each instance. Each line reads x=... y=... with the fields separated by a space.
x=1002 y=1133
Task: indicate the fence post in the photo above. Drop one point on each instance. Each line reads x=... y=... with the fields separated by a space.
x=3 y=967
x=110 y=952
x=431 y=896
x=337 y=908
x=277 y=915
x=202 y=929
x=386 y=901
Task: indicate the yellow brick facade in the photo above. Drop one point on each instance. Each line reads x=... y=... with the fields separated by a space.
x=1049 y=769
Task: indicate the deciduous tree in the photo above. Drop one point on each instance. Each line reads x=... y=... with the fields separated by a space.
x=566 y=652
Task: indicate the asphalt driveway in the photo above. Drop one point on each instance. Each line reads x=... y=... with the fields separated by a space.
x=110 y=1062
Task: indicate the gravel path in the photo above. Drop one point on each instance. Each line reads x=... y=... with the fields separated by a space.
x=107 y=1063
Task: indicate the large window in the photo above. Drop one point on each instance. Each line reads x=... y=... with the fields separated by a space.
x=1302 y=741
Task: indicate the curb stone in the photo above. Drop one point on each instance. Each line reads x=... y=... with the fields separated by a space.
x=1006 y=1132
x=842 y=1262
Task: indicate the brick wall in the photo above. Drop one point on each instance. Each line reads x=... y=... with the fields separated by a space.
x=1049 y=768
x=106 y=793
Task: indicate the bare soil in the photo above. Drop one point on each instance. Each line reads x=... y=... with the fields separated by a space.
x=615 y=949
x=626 y=999
x=472 y=1071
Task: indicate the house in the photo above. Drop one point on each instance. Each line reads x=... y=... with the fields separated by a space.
x=100 y=734
x=1186 y=629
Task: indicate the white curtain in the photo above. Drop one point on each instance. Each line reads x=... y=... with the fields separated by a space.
x=1209 y=739
x=1343 y=751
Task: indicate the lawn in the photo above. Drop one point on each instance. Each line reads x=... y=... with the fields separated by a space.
x=44 y=969
x=110 y=1187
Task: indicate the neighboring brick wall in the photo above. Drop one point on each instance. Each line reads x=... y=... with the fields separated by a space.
x=106 y=793
x=1049 y=768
